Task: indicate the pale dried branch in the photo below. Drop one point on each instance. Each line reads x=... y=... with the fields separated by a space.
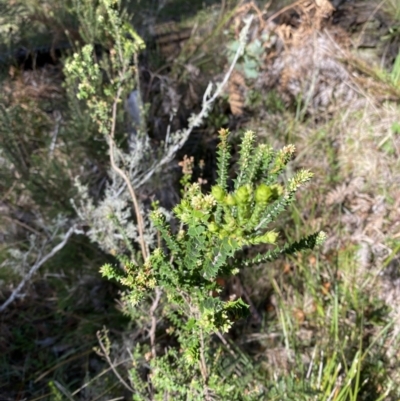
x=124 y=176
x=154 y=321
x=37 y=265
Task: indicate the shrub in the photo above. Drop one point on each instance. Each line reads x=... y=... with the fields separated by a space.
x=182 y=275
x=172 y=276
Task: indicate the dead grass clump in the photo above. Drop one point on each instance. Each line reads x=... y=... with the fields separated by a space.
x=310 y=75
x=305 y=68
x=33 y=85
x=356 y=199
x=368 y=144
x=297 y=55
x=360 y=210
x=310 y=59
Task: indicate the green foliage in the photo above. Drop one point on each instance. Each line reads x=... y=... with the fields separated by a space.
x=213 y=228
x=250 y=63
x=55 y=393
x=179 y=309
x=98 y=92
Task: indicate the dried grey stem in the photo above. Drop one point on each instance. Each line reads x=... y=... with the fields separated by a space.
x=57 y=123
x=154 y=321
x=36 y=267
x=125 y=177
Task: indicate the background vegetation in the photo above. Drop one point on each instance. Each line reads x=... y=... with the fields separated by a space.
x=323 y=76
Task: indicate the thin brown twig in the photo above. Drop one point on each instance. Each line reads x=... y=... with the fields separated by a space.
x=88 y=383
x=282 y=10
x=124 y=176
x=112 y=366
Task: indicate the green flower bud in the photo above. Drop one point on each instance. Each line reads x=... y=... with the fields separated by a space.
x=185 y=204
x=267 y=238
x=218 y=193
x=223 y=234
x=213 y=227
x=228 y=218
x=263 y=193
x=243 y=195
x=270 y=237
x=256 y=215
x=230 y=226
x=239 y=232
x=243 y=214
x=230 y=200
